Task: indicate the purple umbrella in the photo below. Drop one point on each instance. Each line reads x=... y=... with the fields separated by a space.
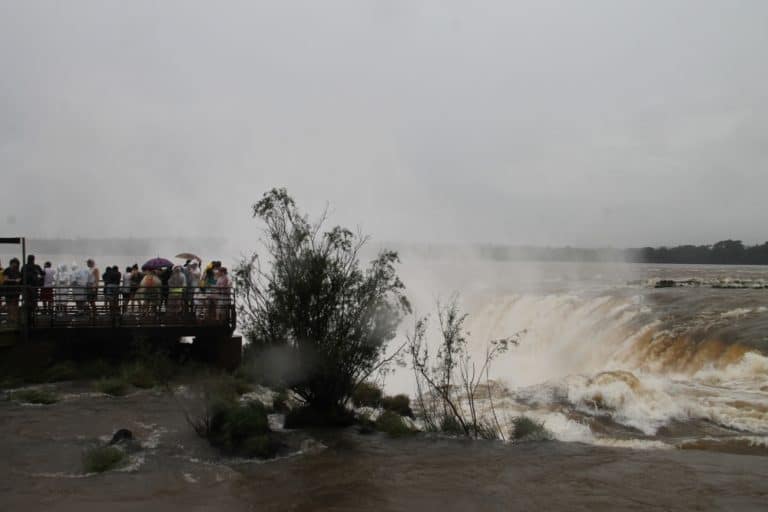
x=156 y=263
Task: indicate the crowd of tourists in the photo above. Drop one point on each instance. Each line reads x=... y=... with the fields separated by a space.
x=170 y=289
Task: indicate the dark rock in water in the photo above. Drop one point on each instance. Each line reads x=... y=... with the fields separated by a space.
x=665 y=283
x=121 y=436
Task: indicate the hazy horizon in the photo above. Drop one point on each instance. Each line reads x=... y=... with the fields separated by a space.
x=589 y=124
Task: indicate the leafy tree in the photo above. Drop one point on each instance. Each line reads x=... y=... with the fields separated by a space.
x=312 y=298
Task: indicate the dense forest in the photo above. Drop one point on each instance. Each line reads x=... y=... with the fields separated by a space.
x=726 y=252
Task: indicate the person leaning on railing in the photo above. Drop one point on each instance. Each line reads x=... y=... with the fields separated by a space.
x=92 y=291
x=46 y=293
x=223 y=287
x=111 y=278
x=12 y=289
x=32 y=278
x=177 y=283
x=150 y=292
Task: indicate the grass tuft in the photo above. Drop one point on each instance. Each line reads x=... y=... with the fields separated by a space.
x=527 y=429
x=35 y=396
x=112 y=387
x=103 y=458
x=393 y=424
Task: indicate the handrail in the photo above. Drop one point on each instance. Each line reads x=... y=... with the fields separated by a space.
x=35 y=307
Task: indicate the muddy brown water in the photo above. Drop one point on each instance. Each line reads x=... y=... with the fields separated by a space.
x=343 y=470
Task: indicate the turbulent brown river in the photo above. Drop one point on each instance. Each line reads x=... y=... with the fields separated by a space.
x=657 y=398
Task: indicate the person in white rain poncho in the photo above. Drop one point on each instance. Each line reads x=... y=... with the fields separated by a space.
x=79 y=283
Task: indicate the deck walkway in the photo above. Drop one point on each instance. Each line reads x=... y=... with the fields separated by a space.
x=72 y=309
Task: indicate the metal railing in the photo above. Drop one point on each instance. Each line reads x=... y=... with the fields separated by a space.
x=35 y=307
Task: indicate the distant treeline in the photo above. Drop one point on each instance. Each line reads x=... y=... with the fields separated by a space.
x=726 y=252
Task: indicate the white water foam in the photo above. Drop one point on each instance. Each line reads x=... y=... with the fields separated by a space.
x=583 y=351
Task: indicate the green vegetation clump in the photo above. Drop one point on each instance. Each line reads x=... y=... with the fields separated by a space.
x=367 y=394
x=112 y=386
x=393 y=424
x=401 y=404
x=527 y=429
x=238 y=429
x=35 y=396
x=103 y=458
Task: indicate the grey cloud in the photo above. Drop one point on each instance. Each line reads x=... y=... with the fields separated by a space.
x=583 y=123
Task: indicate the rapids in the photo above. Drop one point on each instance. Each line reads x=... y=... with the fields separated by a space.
x=605 y=358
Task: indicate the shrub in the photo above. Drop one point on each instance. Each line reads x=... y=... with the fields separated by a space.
x=527 y=429
x=112 y=387
x=367 y=394
x=103 y=458
x=237 y=429
x=310 y=296
x=401 y=404
x=393 y=424
x=35 y=396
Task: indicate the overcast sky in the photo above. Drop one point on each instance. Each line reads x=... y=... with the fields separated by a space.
x=592 y=123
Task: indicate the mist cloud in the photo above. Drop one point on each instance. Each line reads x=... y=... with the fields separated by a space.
x=584 y=123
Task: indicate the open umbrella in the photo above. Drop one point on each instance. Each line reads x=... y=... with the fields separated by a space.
x=156 y=263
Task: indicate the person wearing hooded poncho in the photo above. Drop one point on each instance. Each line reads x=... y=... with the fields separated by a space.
x=149 y=292
x=177 y=284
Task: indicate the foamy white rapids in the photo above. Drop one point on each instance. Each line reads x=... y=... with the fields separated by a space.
x=608 y=356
